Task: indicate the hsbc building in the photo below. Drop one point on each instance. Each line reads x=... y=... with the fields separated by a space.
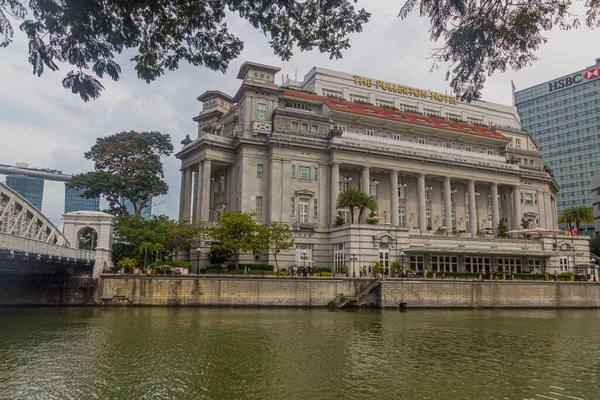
x=563 y=115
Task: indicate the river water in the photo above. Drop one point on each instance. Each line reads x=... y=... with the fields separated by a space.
x=222 y=353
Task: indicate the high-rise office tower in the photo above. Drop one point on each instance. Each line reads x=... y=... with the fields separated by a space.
x=75 y=202
x=563 y=115
x=29 y=187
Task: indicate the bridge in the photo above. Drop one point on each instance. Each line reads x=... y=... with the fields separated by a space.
x=31 y=244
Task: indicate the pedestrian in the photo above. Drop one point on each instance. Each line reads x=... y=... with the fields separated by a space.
x=404 y=272
x=425 y=273
x=555 y=276
x=369 y=270
x=295 y=270
x=495 y=274
x=360 y=272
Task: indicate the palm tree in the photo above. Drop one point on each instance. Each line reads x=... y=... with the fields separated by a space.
x=367 y=202
x=577 y=215
x=350 y=198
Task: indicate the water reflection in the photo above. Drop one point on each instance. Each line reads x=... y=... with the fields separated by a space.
x=180 y=353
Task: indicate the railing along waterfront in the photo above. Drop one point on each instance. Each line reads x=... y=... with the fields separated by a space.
x=424 y=147
x=37 y=247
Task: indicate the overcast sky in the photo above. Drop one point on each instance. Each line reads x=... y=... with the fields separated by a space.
x=43 y=124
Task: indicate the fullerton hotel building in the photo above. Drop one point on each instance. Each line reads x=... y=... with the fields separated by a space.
x=444 y=174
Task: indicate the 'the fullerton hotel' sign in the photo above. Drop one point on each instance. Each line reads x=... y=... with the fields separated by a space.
x=391 y=87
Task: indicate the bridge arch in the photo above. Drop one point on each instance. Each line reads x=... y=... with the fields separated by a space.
x=19 y=217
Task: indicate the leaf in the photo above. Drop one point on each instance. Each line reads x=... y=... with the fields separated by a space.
x=83 y=84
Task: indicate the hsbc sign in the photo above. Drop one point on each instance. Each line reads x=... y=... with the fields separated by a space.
x=574 y=79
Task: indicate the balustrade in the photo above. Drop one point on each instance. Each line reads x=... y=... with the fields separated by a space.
x=37 y=247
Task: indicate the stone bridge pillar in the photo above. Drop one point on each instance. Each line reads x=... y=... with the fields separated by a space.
x=75 y=222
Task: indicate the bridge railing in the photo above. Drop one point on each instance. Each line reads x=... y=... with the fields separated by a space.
x=37 y=247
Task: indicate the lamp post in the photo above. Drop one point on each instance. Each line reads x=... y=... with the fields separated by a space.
x=402 y=254
x=353 y=265
x=197 y=253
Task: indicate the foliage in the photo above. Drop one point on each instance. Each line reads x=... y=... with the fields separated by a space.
x=236 y=233
x=525 y=223
x=179 y=264
x=577 y=215
x=127 y=167
x=88 y=239
x=372 y=220
x=502 y=228
x=483 y=37
x=161 y=33
x=127 y=263
x=342 y=269
x=396 y=265
x=280 y=239
x=339 y=220
x=354 y=200
x=180 y=235
x=253 y=267
x=377 y=267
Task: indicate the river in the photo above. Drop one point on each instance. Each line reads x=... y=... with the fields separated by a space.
x=223 y=353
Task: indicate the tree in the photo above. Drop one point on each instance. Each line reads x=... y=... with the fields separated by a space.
x=127 y=168
x=236 y=233
x=280 y=239
x=577 y=215
x=502 y=228
x=484 y=37
x=180 y=235
x=350 y=199
x=89 y=34
x=524 y=223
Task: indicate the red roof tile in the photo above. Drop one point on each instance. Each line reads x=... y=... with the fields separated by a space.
x=340 y=105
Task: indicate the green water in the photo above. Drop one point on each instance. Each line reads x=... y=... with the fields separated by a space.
x=218 y=353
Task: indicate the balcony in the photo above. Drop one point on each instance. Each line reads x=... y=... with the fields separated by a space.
x=356 y=139
x=261 y=128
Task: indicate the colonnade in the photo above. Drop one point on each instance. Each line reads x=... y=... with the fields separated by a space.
x=472 y=226
x=200 y=187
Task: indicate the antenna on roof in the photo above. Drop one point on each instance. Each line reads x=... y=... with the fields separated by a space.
x=296 y=74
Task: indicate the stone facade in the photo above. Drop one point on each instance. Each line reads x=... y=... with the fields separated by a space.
x=441 y=184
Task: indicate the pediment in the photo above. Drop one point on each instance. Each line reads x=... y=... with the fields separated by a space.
x=304 y=192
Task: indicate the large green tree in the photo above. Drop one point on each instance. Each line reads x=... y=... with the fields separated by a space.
x=481 y=37
x=237 y=233
x=280 y=239
x=577 y=215
x=128 y=167
x=161 y=33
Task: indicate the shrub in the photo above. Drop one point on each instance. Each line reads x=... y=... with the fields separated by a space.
x=253 y=267
x=179 y=264
x=128 y=264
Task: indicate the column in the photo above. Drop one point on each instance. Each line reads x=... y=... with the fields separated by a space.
x=275 y=190
x=516 y=207
x=394 y=197
x=541 y=209
x=421 y=202
x=182 y=195
x=495 y=209
x=447 y=204
x=205 y=189
x=187 y=198
x=335 y=190
x=472 y=208
x=198 y=194
x=366 y=183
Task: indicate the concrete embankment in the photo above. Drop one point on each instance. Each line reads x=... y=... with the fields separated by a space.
x=310 y=292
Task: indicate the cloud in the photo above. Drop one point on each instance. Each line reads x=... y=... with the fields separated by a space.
x=43 y=124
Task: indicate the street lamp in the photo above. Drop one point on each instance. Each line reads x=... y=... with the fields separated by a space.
x=197 y=252
x=402 y=254
x=353 y=265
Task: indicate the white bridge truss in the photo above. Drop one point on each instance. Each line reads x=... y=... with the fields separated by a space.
x=18 y=217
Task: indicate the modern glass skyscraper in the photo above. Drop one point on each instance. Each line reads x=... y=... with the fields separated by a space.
x=563 y=115
x=146 y=211
x=30 y=188
x=75 y=202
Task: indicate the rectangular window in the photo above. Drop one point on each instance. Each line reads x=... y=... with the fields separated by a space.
x=314 y=128
x=490 y=152
x=259 y=207
x=293 y=171
x=369 y=131
x=517 y=143
x=339 y=257
x=304 y=127
x=304 y=172
x=293 y=207
x=316 y=174
x=417 y=263
x=344 y=179
x=303 y=204
x=315 y=209
x=564 y=264
x=528 y=198
x=303 y=255
x=397 y=136
x=401 y=190
x=422 y=140
x=446 y=145
x=259 y=170
x=295 y=125
x=402 y=216
x=468 y=148
x=261 y=112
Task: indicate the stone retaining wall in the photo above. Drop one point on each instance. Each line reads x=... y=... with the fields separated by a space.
x=452 y=294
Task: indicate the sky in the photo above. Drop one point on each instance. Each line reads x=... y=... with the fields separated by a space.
x=47 y=126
